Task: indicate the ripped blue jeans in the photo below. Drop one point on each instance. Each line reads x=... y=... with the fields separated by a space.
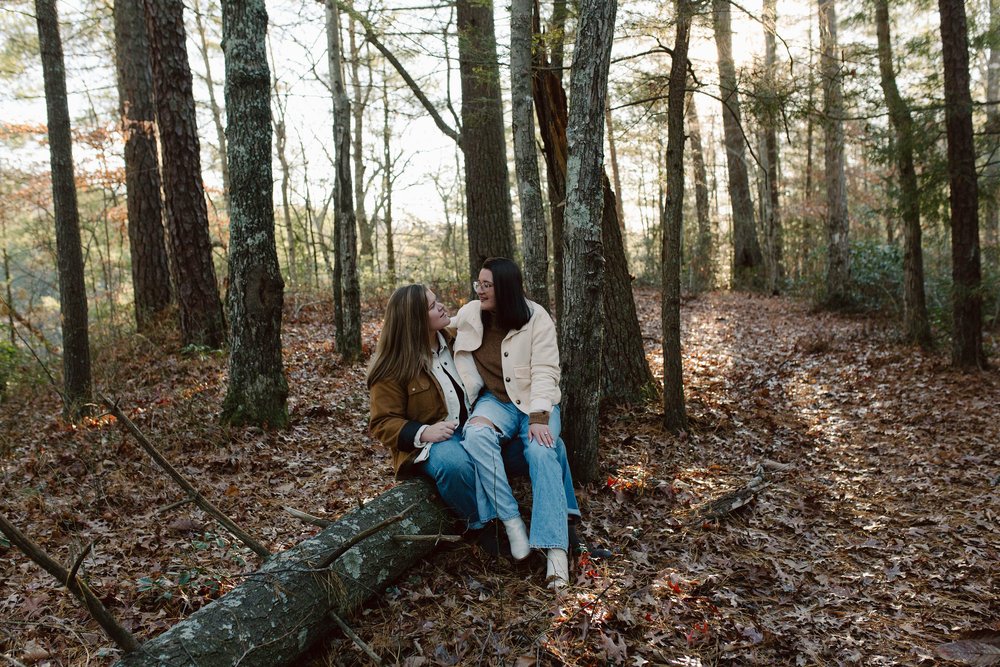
x=552 y=494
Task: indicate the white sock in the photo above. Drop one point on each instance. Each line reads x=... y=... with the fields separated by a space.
x=518 y=537
x=556 y=567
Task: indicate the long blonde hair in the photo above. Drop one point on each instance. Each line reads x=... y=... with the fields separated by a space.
x=402 y=350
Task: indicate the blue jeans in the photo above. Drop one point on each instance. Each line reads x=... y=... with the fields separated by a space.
x=454 y=474
x=551 y=483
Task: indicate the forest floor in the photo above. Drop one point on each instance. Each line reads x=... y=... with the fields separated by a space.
x=873 y=539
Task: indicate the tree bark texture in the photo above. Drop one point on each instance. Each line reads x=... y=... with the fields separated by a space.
x=484 y=147
x=147 y=243
x=915 y=321
x=557 y=35
x=257 y=392
x=967 y=336
x=69 y=257
x=701 y=259
x=838 y=262
x=349 y=335
x=626 y=377
x=535 y=250
x=362 y=95
x=582 y=328
x=674 y=413
x=746 y=249
x=279 y=611
x=184 y=194
x=771 y=197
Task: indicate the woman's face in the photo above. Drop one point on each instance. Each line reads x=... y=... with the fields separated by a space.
x=437 y=316
x=484 y=290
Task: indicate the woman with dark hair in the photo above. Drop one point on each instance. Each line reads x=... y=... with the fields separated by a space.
x=418 y=402
x=507 y=355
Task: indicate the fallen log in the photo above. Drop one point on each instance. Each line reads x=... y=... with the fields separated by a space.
x=281 y=609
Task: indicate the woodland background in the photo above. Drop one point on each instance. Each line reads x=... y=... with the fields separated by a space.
x=780 y=326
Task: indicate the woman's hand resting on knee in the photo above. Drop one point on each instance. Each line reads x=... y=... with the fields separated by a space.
x=439 y=432
x=542 y=434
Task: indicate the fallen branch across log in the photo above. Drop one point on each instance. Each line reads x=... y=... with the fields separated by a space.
x=279 y=611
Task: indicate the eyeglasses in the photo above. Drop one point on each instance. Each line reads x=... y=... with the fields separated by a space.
x=481 y=285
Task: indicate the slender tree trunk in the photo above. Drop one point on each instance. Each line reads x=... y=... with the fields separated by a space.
x=147 y=245
x=344 y=220
x=361 y=97
x=487 y=189
x=702 y=256
x=213 y=105
x=990 y=181
x=746 y=249
x=674 y=414
x=838 y=264
x=69 y=257
x=582 y=330
x=534 y=246
x=915 y=322
x=771 y=197
x=557 y=35
x=810 y=106
x=613 y=160
x=967 y=341
x=187 y=213
x=257 y=390
x=387 y=178
x=281 y=149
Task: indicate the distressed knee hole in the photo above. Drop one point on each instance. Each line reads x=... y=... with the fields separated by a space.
x=482 y=422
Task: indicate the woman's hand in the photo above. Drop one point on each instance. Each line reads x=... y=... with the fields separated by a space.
x=542 y=434
x=438 y=432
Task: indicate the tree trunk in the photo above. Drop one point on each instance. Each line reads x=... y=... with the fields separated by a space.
x=674 y=413
x=257 y=390
x=187 y=214
x=487 y=190
x=279 y=611
x=967 y=340
x=582 y=327
x=915 y=322
x=349 y=342
x=701 y=259
x=746 y=249
x=991 y=172
x=387 y=180
x=281 y=150
x=147 y=245
x=613 y=161
x=69 y=257
x=213 y=105
x=366 y=229
x=557 y=35
x=626 y=377
x=535 y=246
x=838 y=263
x=770 y=198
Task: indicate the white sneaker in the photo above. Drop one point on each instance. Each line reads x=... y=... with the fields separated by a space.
x=518 y=537
x=556 y=568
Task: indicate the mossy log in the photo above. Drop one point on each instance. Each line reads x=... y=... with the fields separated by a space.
x=280 y=610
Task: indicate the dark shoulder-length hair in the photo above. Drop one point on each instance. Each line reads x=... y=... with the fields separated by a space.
x=512 y=310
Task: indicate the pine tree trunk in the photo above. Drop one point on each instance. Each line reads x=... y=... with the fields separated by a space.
x=915 y=322
x=257 y=390
x=674 y=413
x=991 y=172
x=147 y=245
x=838 y=263
x=69 y=257
x=187 y=213
x=534 y=246
x=613 y=161
x=344 y=220
x=557 y=34
x=747 y=257
x=582 y=328
x=702 y=256
x=967 y=341
x=484 y=147
x=387 y=180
